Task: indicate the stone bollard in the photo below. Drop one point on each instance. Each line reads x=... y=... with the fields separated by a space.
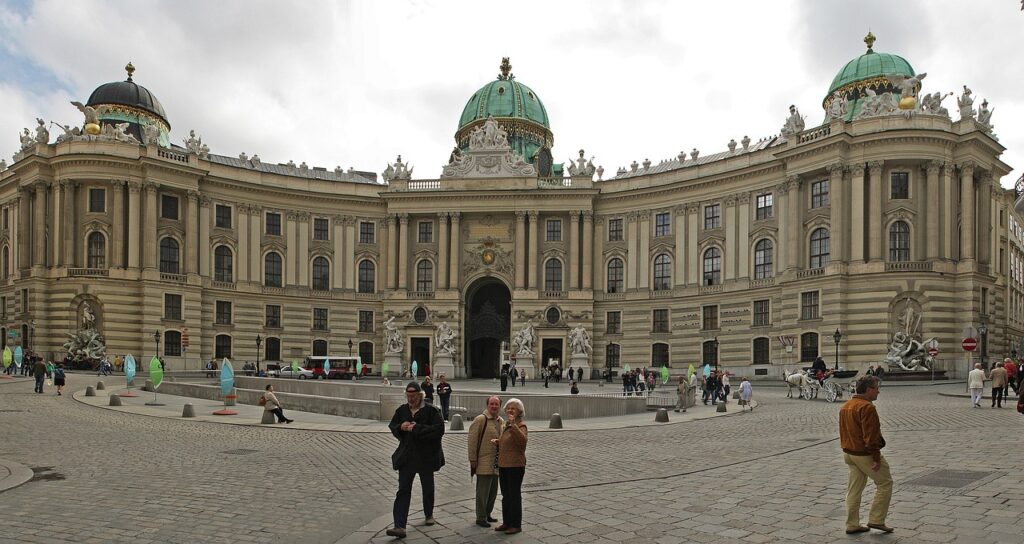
x=721 y=407
x=661 y=416
x=90 y=392
x=556 y=421
x=115 y=400
x=148 y=386
x=100 y=386
x=188 y=410
x=456 y=424
x=268 y=418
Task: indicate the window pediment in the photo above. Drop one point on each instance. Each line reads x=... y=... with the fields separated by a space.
x=171 y=230
x=819 y=219
x=900 y=212
x=97 y=224
x=764 y=231
x=553 y=252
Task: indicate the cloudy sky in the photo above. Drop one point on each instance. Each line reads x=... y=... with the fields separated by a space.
x=355 y=83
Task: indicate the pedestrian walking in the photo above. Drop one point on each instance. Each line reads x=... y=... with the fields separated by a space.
x=726 y=387
x=513 y=375
x=418 y=427
x=428 y=390
x=681 y=389
x=1011 y=378
x=444 y=392
x=40 y=374
x=522 y=378
x=483 y=459
x=59 y=379
x=579 y=373
x=746 y=394
x=547 y=377
x=271 y=404
x=998 y=377
x=860 y=435
x=512 y=467
x=570 y=373
x=976 y=383
x=504 y=380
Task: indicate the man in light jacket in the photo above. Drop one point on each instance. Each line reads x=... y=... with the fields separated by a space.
x=998 y=377
x=976 y=383
x=483 y=455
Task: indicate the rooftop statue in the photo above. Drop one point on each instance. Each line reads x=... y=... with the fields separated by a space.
x=932 y=103
x=582 y=167
x=966 y=104
x=397 y=171
x=839 y=107
x=488 y=155
x=985 y=116
x=91 y=114
x=150 y=134
x=794 y=123
x=909 y=86
x=118 y=132
x=873 y=104
x=27 y=141
x=69 y=133
x=42 y=134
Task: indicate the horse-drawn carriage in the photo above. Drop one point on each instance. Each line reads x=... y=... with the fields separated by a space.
x=808 y=386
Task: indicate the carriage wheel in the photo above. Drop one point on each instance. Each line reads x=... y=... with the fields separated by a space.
x=807 y=392
x=832 y=393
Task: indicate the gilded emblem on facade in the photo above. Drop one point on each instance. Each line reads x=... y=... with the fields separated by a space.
x=487 y=257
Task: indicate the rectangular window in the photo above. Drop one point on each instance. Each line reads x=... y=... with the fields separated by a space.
x=223 y=216
x=320 y=319
x=169 y=207
x=819 y=194
x=762 y=313
x=172 y=307
x=809 y=305
x=7 y=218
x=712 y=216
x=24 y=300
x=615 y=230
x=366 y=232
x=3 y=309
x=899 y=185
x=614 y=322
x=663 y=224
x=984 y=301
x=426 y=234
x=321 y=228
x=97 y=200
x=273 y=224
x=660 y=321
x=223 y=312
x=365 y=321
x=710 y=314
x=554 y=233
x=172 y=344
x=764 y=206
x=273 y=317
x=762 y=353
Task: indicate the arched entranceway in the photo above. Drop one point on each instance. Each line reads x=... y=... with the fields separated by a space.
x=488 y=314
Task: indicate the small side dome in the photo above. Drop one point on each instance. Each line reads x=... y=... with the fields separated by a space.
x=127 y=101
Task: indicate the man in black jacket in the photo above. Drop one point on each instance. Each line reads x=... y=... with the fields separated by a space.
x=418 y=427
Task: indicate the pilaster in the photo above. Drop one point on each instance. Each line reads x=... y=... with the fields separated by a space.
x=403 y=251
x=149 y=226
x=967 y=209
x=588 y=248
x=520 y=250
x=932 y=211
x=456 y=251
x=574 y=249
x=875 y=241
x=837 y=230
x=442 y=250
x=632 y=253
x=679 y=263
x=534 y=251
x=117 y=236
x=857 y=217
x=134 y=212
x=192 y=245
x=204 y=240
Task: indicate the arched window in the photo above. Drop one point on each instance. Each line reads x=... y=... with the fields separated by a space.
x=319 y=348
x=659 y=355
x=808 y=347
x=762 y=351
x=169 y=258
x=272 y=349
x=367 y=272
x=366 y=353
x=6 y=262
x=96 y=256
x=763 y=257
x=223 y=264
x=272 y=265
x=222 y=346
x=611 y=355
x=615 y=275
x=712 y=266
x=553 y=275
x=424 y=276
x=709 y=353
x=662 y=272
x=172 y=344
x=899 y=241
x=321 y=274
x=820 y=248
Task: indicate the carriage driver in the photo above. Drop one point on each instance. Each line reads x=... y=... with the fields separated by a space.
x=819 y=370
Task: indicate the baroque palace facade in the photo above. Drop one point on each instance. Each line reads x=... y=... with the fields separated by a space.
x=889 y=217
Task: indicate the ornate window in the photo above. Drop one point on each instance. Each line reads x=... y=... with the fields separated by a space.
x=764 y=206
x=553 y=275
x=763 y=256
x=367 y=271
x=762 y=351
x=366 y=353
x=97 y=200
x=554 y=230
x=808 y=347
x=899 y=241
x=222 y=346
x=662 y=272
x=367 y=232
x=365 y=321
x=169 y=207
x=659 y=355
x=712 y=266
x=663 y=224
x=321 y=229
x=97 y=251
x=321 y=274
x=819 y=194
x=272 y=265
x=899 y=185
x=615 y=275
x=169 y=259
x=319 y=348
x=553 y=315
x=424 y=275
x=615 y=230
x=426 y=233
x=820 y=248
x=172 y=344
x=272 y=349
x=223 y=216
x=712 y=216
x=223 y=264
x=7 y=262
x=273 y=224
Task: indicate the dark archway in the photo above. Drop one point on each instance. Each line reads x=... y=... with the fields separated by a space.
x=488 y=315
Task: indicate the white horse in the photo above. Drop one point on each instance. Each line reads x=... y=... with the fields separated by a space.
x=798 y=380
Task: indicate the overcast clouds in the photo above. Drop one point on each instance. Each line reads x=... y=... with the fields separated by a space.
x=354 y=84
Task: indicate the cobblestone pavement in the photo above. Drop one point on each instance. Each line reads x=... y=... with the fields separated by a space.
x=773 y=475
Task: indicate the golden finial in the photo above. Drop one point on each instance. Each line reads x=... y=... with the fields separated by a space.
x=506 y=68
x=870 y=41
x=130 y=69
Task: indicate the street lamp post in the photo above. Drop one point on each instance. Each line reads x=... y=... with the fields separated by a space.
x=156 y=338
x=259 y=342
x=716 y=354
x=349 y=347
x=837 y=336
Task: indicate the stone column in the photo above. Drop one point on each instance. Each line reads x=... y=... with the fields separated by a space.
x=932 y=236
x=692 y=229
x=837 y=230
x=456 y=250
x=134 y=214
x=302 y=256
x=857 y=202
x=985 y=220
x=967 y=211
x=588 y=248
x=56 y=226
x=245 y=249
x=341 y=264
x=875 y=241
x=24 y=227
x=534 y=250
x=442 y=250
x=39 y=223
x=70 y=220
x=386 y=269
x=632 y=251
x=149 y=226
x=574 y=250
x=731 y=253
x=350 y=252
x=403 y=251
x=794 y=228
x=204 y=240
x=679 y=263
x=948 y=219
x=291 y=249
x=643 y=274
x=191 y=248
x=16 y=232
x=600 y=267
x=256 y=243
x=743 y=244
x=117 y=236
x=520 y=250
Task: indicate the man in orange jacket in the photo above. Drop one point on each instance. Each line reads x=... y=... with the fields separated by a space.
x=860 y=434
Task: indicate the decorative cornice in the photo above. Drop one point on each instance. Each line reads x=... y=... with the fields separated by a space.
x=385 y=222
x=729 y=201
x=574 y=216
x=441 y=216
x=150 y=186
x=291 y=215
x=782 y=188
x=644 y=215
x=303 y=216
x=116 y=184
x=692 y=207
x=631 y=216
x=403 y=218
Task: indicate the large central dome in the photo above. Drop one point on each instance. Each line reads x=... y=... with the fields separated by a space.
x=128 y=102
x=868 y=72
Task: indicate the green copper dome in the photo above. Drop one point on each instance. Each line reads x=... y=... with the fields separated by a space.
x=868 y=71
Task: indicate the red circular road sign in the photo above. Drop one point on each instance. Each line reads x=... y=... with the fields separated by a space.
x=933 y=351
x=969 y=344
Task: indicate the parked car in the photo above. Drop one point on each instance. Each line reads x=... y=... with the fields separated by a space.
x=301 y=373
x=338 y=367
x=273 y=370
